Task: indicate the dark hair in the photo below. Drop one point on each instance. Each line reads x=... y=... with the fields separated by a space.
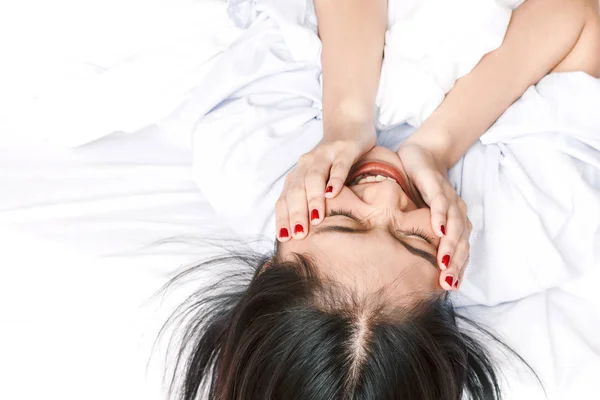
x=278 y=330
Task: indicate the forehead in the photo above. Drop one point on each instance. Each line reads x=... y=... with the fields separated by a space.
x=366 y=263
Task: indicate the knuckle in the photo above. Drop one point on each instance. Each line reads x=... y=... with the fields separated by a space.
x=305 y=159
x=463 y=246
x=295 y=191
x=338 y=168
x=314 y=175
x=458 y=219
x=440 y=200
x=315 y=201
x=456 y=215
x=335 y=180
x=297 y=216
x=338 y=146
x=466 y=263
x=280 y=203
x=451 y=243
x=443 y=181
x=290 y=178
x=447 y=184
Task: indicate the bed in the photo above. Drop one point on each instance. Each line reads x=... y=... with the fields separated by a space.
x=83 y=229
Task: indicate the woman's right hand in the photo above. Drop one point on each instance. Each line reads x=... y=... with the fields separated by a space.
x=319 y=174
x=449 y=218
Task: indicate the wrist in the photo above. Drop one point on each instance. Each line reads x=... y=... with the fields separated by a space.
x=436 y=141
x=348 y=112
x=359 y=131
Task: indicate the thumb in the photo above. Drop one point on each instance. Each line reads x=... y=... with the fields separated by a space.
x=433 y=194
x=337 y=178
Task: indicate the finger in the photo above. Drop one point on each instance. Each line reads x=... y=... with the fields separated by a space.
x=462 y=271
x=282 y=220
x=298 y=210
x=459 y=262
x=447 y=279
x=469 y=226
x=432 y=188
x=429 y=185
x=462 y=206
x=337 y=178
x=453 y=235
x=463 y=252
x=439 y=210
x=315 y=190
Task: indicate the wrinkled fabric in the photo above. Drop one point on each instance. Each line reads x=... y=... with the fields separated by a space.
x=531 y=183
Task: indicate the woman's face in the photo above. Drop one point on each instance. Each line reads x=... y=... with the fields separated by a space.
x=375 y=235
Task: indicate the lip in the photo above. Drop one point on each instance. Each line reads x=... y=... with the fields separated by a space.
x=381 y=168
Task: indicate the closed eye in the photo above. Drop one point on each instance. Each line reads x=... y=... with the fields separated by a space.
x=414 y=231
x=397 y=235
x=419 y=233
x=345 y=213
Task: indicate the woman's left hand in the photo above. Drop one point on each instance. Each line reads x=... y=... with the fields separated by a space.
x=448 y=211
x=319 y=173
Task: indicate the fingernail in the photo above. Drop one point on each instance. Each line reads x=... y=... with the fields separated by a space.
x=446 y=260
x=449 y=280
x=456 y=284
x=298 y=229
x=443 y=229
x=314 y=214
x=329 y=189
x=283 y=233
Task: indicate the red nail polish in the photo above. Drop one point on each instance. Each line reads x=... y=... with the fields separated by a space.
x=298 y=229
x=443 y=229
x=456 y=284
x=283 y=233
x=314 y=214
x=449 y=280
x=446 y=260
x=329 y=189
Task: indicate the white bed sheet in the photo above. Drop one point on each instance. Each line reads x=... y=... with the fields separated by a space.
x=73 y=71
x=79 y=266
x=77 y=271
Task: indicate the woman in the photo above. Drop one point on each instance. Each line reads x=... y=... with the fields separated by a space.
x=353 y=303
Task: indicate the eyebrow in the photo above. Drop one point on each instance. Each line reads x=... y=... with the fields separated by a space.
x=361 y=231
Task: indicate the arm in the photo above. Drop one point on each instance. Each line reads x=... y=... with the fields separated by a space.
x=540 y=35
x=353 y=34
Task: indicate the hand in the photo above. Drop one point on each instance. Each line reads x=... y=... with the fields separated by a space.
x=448 y=211
x=319 y=174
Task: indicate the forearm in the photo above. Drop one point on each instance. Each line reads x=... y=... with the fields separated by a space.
x=353 y=34
x=540 y=34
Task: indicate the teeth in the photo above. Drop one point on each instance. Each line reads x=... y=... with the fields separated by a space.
x=370 y=178
x=355 y=181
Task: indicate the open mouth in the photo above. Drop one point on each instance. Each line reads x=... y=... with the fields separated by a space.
x=375 y=172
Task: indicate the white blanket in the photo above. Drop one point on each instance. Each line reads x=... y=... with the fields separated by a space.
x=81 y=259
x=250 y=120
x=73 y=71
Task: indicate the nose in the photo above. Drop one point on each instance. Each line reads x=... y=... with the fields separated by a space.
x=384 y=198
